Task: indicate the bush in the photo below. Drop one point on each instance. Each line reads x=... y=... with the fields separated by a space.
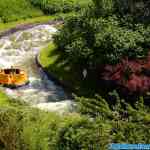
x=9 y=129
x=54 y=6
x=33 y=129
x=125 y=123
x=25 y=128
x=95 y=42
x=138 y=10
x=78 y=133
x=17 y=9
x=102 y=41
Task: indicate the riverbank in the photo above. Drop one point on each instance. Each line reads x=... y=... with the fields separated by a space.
x=30 y=22
x=41 y=92
x=50 y=61
x=55 y=65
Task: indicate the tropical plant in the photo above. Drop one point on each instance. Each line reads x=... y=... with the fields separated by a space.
x=54 y=6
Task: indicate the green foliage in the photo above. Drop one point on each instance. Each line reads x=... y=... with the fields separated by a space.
x=4 y=100
x=78 y=133
x=138 y=10
x=17 y=9
x=101 y=40
x=55 y=62
x=36 y=130
x=93 y=39
x=28 y=128
x=25 y=128
x=21 y=9
x=94 y=107
x=9 y=129
x=127 y=123
x=104 y=7
x=54 y=6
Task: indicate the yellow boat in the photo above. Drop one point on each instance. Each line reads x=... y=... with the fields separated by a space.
x=13 y=77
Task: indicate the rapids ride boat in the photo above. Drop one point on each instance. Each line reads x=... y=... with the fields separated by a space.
x=13 y=77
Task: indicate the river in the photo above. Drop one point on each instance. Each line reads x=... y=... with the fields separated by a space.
x=19 y=50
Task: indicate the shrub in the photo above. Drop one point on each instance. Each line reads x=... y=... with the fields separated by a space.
x=101 y=41
x=25 y=128
x=125 y=123
x=54 y=6
x=33 y=129
x=78 y=132
x=10 y=129
x=17 y=9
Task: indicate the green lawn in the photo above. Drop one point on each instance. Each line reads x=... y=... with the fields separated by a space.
x=6 y=101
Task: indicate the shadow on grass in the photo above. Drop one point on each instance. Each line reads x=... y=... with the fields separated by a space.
x=69 y=74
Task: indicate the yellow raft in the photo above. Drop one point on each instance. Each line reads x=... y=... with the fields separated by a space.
x=13 y=77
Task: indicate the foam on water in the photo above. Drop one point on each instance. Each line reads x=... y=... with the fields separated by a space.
x=19 y=50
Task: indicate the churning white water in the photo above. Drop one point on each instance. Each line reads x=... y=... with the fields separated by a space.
x=19 y=50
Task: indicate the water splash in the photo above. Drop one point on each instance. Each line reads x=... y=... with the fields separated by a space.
x=19 y=50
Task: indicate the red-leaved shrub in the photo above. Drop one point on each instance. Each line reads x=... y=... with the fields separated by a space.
x=131 y=74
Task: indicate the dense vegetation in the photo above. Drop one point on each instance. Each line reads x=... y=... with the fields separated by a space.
x=24 y=128
x=54 y=6
x=125 y=123
x=103 y=38
x=105 y=35
x=12 y=10
x=102 y=34
x=21 y=9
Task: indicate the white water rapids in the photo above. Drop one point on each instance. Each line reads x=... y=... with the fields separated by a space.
x=19 y=50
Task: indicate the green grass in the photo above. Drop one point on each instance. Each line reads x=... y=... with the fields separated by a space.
x=4 y=100
x=5 y=26
x=41 y=19
x=52 y=60
x=55 y=6
x=13 y=10
x=55 y=62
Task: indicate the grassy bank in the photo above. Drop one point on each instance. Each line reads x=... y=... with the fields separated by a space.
x=5 y=26
x=7 y=102
x=4 y=100
x=55 y=63
x=28 y=11
x=41 y=19
x=23 y=128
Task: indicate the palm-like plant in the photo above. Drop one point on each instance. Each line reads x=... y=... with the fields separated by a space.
x=104 y=6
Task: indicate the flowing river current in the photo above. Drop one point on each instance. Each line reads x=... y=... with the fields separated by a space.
x=19 y=50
